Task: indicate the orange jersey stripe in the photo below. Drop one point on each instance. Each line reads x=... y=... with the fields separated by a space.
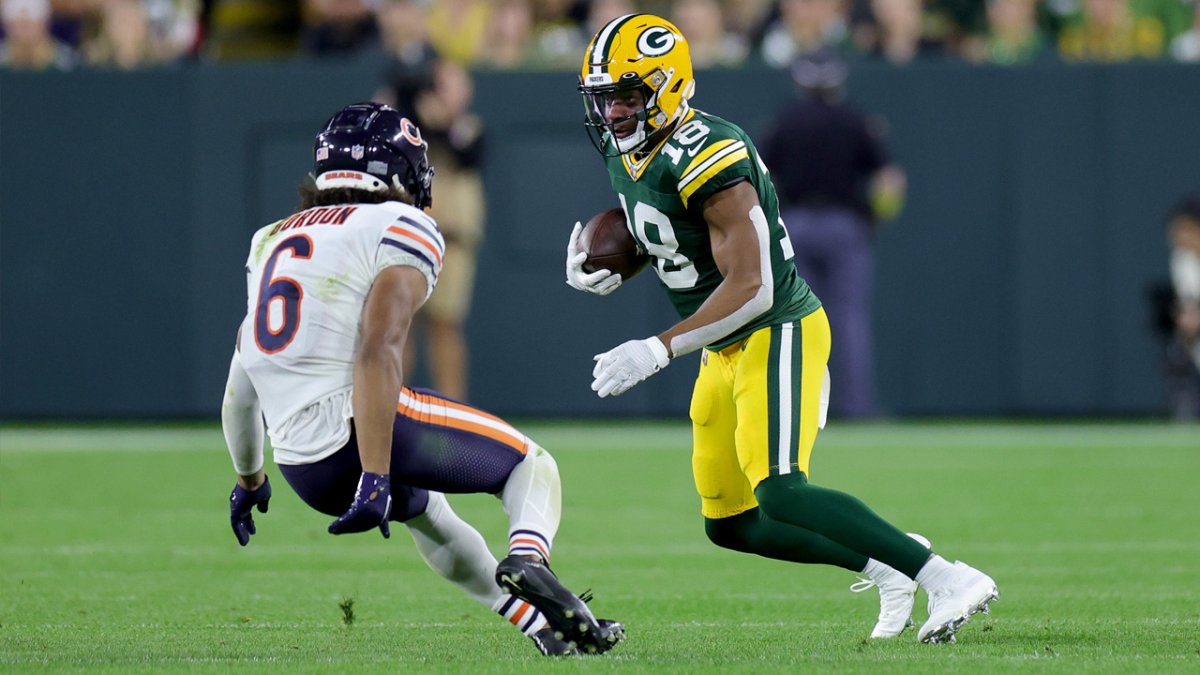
x=419 y=239
x=432 y=417
x=454 y=405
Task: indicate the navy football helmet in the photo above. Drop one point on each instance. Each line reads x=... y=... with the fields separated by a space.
x=369 y=146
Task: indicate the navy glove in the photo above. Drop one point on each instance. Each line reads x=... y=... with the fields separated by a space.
x=242 y=503
x=372 y=504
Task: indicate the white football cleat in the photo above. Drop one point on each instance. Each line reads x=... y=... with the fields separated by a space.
x=897 y=594
x=965 y=592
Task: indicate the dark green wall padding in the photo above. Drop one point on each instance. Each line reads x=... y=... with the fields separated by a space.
x=1015 y=282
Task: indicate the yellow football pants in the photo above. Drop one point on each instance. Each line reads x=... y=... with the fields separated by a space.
x=756 y=409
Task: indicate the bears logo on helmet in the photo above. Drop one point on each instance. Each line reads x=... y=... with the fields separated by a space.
x=635 y=52
x=370 y=146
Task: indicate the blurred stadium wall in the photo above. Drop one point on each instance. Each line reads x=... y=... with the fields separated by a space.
x=1014 y=282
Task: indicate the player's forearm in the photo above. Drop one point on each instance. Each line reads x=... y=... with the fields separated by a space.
x=734 y=303
x=241 y=421
x=741 y=243
x=377 y=381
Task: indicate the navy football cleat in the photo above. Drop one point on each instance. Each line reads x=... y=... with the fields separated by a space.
x=548 y=642
x=572 y=622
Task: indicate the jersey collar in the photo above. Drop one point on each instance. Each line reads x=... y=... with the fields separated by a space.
x=635 y=169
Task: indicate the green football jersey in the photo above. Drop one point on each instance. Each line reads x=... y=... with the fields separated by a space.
x=663 y=195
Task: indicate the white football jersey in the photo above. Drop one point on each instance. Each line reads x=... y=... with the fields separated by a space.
x=307 y=280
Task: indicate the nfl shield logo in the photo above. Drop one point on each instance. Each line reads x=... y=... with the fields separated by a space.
x=356 y=152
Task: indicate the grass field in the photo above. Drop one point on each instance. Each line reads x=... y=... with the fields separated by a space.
x=116 y=555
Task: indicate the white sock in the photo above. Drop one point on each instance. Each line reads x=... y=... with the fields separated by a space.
x=532 y=498
x=933 y=574
x=519 y=613
x=874 y=568
x=455 y=550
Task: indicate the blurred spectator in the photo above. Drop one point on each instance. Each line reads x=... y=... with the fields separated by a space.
x=455 y=138
x=1013 y=34
x=804 y=26
x=1186 y=45
x=28 y=43
x=951 y=23
x=1176 y=16
x=901 y=34
x=338 y=27
x=410 y=54
x=558 y=37
x=458 y=29
x=704 y=25
x=747 y=19
x=835 y=181
x=1108 y=31
x=176 y=26
x=1183 y=351
x=128 y=39
x=510 y=34
x=600 y=12
x=69 y=20
x=252 y=29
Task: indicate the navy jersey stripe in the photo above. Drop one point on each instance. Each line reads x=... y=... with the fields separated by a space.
x=408 y=249
x=423 y=227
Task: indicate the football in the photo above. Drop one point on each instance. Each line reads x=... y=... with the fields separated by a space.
x=610 y=246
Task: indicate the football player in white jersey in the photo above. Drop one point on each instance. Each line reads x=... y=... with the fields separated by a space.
x=332 y=291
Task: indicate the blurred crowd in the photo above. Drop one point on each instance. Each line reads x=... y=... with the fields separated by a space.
x=551 y=34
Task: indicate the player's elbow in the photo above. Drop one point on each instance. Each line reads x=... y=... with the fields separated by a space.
x=763 y=296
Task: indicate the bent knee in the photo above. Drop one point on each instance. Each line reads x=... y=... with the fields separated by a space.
x=735 y=532
x=780 y=495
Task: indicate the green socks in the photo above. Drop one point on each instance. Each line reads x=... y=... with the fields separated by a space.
x=754 y=532
x=841 y=518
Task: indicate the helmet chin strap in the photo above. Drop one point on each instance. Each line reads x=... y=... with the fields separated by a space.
x=634 y=140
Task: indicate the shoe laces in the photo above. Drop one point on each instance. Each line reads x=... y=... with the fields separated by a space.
x=862 y=585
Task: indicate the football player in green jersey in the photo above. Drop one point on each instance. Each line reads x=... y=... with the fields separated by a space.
x=700 y=201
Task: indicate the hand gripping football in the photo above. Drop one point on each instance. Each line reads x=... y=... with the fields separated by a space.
x=610 y=246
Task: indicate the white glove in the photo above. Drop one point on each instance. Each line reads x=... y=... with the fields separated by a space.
x=600 y=282
x=617 y=370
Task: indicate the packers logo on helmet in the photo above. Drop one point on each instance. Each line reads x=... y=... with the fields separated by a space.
x=636 y=81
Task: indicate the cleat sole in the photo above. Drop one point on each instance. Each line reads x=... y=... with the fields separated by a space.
x=945 y=633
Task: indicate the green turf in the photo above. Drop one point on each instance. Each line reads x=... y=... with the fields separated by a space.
x=116 y=554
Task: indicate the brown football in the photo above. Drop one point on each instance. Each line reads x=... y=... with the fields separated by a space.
x=610 y=246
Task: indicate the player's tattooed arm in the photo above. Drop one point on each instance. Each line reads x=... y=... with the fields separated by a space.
x=740 y=244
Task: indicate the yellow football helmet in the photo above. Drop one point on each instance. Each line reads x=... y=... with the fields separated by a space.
x=635 y=52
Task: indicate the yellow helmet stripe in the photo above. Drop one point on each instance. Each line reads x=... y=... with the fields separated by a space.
x=716 y=164
x=603 y=41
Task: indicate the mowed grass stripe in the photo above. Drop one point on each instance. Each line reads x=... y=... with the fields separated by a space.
x=123 y=561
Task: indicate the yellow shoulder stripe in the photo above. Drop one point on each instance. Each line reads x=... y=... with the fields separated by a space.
x=708 y=152
x=722 y=162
